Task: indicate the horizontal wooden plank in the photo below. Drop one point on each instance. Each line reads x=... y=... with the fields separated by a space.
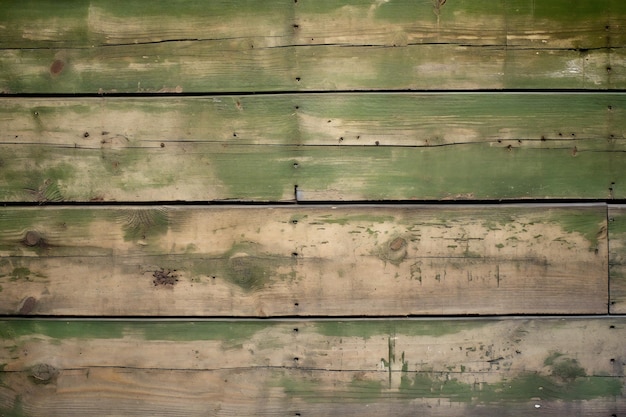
x=406 y=146
x=309 y=261
x=90 y=47
x=213 y=171
x=617 y=258
x=554 y=367
x=407 y=119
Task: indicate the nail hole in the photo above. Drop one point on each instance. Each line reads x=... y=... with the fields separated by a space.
x=298 y=79
x=328 y=121
x=296 y=359
x=213 y=277
x=341 y=139
x=377 y=143
x=560 y=134
x=294 y=221
x=499 y=140
x=294 y=254
x=611 y=326
x=612 y=360
x=296 y=304
x=234 y=134
x=608 y=69
x=295 y=330
x=162 y=145
x=610 y=107
x=358 y=136
x=543 y=138
x=296 y=165
x=86 y=134
x=297 y=107
x=296 y=26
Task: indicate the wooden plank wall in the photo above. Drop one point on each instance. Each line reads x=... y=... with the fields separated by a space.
x=313 y=208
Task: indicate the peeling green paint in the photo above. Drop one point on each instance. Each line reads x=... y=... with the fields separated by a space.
x=14 y=329
x=522 y=388
x=366 y=329
x=591 y=224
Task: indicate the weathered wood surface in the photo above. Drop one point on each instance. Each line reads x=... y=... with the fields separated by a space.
x=100 y=47
x=551 y=367
x=617 y=258
x=333 y=147
x=309 y=261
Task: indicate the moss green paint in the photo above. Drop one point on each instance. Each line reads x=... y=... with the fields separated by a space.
x=14 y=329
x=522 y=388
x=366 y=329
x=587 y=222
x=228 y=332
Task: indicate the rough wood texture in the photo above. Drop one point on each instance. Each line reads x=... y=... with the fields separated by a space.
x=100 y=46
x=617 y=259
x=304 y=260
x=549 y=367
x=333 y=147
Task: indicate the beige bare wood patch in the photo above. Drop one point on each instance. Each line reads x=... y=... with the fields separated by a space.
x=430 y=367
x=277 y=261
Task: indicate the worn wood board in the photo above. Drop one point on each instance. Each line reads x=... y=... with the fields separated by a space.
x=332 y=147
x=147 y=47
x=617 y=258
x=309 y=261
x=545 y=366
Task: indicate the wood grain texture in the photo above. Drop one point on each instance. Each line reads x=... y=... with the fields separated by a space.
x=106 y=47
x=333 y=147
x=309 y=261
x=221 y=368
x=617 y=259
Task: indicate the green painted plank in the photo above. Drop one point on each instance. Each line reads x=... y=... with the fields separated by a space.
x=210 y=172
x=86 y=24
x=338 y=147
x=456 y=368
x=238 y=46
x=309 y=261
x=617 y=258
x=407 y=119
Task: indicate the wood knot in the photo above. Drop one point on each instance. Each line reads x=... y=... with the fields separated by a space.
x=28 y=305
x=397 y=244
x=33 y=238
x=56 y=67
x=43 y=373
